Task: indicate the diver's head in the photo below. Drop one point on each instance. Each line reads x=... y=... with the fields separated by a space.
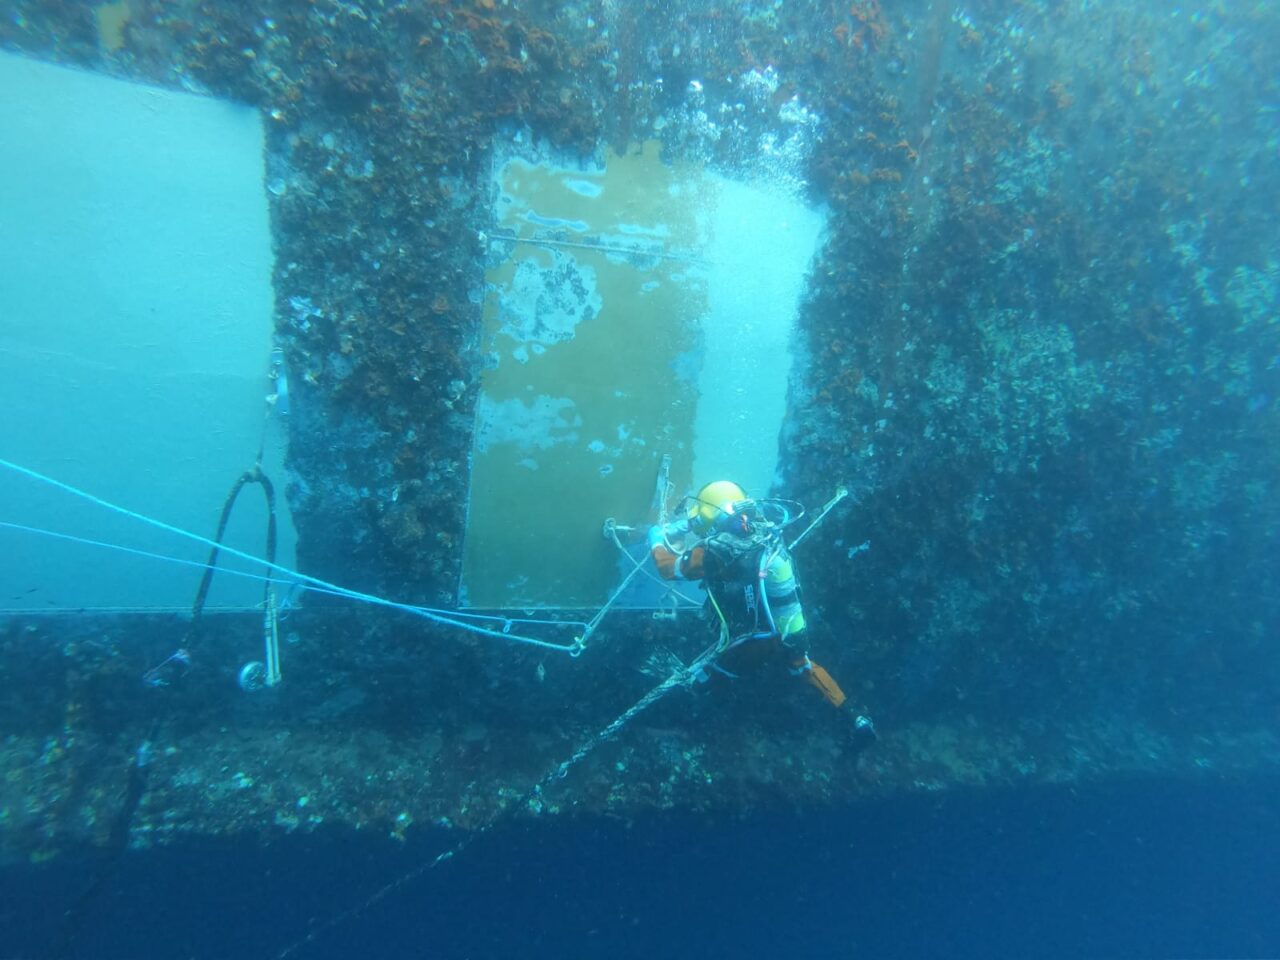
x=715 y=504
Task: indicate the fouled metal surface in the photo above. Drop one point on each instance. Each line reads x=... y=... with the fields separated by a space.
x=1038 y=344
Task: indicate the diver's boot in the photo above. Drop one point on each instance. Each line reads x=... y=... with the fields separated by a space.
x=862 y=734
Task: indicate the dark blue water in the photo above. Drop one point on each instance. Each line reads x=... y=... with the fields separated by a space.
x=1140 y=870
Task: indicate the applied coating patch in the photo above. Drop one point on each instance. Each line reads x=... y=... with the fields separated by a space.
x=645 y=300
x=136 y=320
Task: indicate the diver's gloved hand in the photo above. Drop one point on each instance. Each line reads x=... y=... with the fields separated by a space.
x=657 y=537
x=862 y=733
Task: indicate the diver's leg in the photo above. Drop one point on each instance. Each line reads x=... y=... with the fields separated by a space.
x=860 y=730
x=793 y=641
x=817 y=676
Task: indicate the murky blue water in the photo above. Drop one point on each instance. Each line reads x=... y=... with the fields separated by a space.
x=1142 y=870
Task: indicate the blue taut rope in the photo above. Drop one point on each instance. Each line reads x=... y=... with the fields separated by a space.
x=447 y=617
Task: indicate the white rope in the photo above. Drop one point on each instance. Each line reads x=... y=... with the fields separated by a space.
x=595 y=621
x=841 y=493
x=641 y=566
x=679 y=677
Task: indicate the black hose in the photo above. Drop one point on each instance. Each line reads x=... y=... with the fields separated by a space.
x=249 y=476
x=136 y=779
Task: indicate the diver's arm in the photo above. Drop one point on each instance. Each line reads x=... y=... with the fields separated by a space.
x=673 y=566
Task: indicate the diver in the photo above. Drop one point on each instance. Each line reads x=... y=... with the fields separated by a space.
x=736 y=547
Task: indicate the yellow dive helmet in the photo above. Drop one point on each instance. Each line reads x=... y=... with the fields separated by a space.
x=712 y=501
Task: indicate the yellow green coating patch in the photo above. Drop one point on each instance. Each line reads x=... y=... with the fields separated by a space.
x=593 y=358
x=111 y=20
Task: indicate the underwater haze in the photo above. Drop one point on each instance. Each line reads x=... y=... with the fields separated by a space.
x=484 y=478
